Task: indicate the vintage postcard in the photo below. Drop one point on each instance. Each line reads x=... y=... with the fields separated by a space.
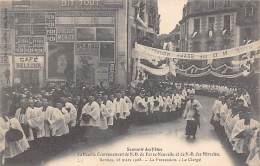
x=129 y=82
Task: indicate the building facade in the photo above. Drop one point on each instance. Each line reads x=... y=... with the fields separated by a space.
x=144 y=21
x=71 y=40
x=209 y=25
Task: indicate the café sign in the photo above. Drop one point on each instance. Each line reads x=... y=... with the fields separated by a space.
x=29 y=62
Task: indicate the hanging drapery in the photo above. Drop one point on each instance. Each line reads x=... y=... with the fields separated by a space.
x=237 y=61
x=159 y=53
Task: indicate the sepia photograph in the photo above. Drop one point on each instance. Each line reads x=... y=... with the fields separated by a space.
x=130 y=82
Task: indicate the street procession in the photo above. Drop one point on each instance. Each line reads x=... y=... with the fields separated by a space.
x=80 y=78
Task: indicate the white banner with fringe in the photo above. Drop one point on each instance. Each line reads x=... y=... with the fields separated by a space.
x=142 y=51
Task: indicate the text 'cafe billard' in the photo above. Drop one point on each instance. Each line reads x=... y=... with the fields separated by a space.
x=66 y=40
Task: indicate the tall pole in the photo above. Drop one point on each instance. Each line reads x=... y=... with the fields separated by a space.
x=127 y=42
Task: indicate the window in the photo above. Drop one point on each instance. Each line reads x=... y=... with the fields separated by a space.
x=248 y=36
x=107 y=52
x=212 y=4
x=211 y=22
x=184 y=12
x=226 y=44
x=196 y=47
x=227 y=22
x=211 y=46
x=227 y=3
x=142 y=11
x=197 y=25
x=249 y=11
x=38 y=30
x=22 y=18
x=22 y=30
x=86 y=34
x=105 y=34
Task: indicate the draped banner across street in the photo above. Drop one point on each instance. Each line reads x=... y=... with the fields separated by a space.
x=159 y=53
x=230 y=63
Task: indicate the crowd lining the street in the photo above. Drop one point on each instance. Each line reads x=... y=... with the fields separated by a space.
x=233 y=121
x=61 y=115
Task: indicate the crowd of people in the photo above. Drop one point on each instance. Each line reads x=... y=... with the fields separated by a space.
x=62 y=114
x=232 y=120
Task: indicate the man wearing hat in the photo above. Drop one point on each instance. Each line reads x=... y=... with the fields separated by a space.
x=191 y=115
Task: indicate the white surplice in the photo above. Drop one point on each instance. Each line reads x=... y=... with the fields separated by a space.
x=72 y=113
x=93 y=110
x=189 y=110
x=229 y=125
x=35 y=121
x=177 y=100
x=121 y=107
x=216 y=110
x=46 y=116
x=4 y=127
x=240 y=143
x=223 y=112
x=253 y=158
x=13 y=149
x=227 y=120
x=58 y=123
x=20 y=116
x=111 y=111
x=169 y=104
x=104 y=114
x=157 y=108
x=139 y=104
x=128 y=102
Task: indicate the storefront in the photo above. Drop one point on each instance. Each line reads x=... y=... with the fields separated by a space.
x=28 y=70
x=5 y=68
x=80 y=40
